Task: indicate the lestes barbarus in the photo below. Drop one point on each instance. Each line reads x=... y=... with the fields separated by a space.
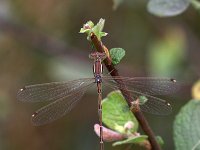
x=65 y=95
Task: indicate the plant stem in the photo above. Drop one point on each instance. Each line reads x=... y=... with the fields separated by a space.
x=138 y=114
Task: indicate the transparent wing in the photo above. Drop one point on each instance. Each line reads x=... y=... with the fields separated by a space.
x=51 y=91
x=152 y=104
x=156 y=106
x=146 y=85
x=56 y=109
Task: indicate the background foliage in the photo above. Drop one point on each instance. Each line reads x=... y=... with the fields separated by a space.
x=39 y=42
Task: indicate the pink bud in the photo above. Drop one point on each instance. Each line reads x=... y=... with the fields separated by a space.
x=108 y=134
x=86 y=26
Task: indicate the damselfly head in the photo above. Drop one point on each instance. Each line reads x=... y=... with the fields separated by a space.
x=97 y=56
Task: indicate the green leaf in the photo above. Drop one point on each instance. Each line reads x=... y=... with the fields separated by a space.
x=132 y=140
x=142 y=100
x=137 y=140
x=97 y=29
x=186 y=127
x=116 y=113
x=87 y=27
x=90 y=24
x=166 y=8
x=116 y=55
x=159 y=140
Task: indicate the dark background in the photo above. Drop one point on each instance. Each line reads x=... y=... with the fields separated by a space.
x=39 y=42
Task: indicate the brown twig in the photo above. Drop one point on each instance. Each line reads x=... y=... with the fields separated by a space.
x=138 y=114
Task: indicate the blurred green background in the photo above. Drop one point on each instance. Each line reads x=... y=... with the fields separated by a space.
x=39 y=42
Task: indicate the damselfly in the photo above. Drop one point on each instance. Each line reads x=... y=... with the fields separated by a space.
x=65 y=95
